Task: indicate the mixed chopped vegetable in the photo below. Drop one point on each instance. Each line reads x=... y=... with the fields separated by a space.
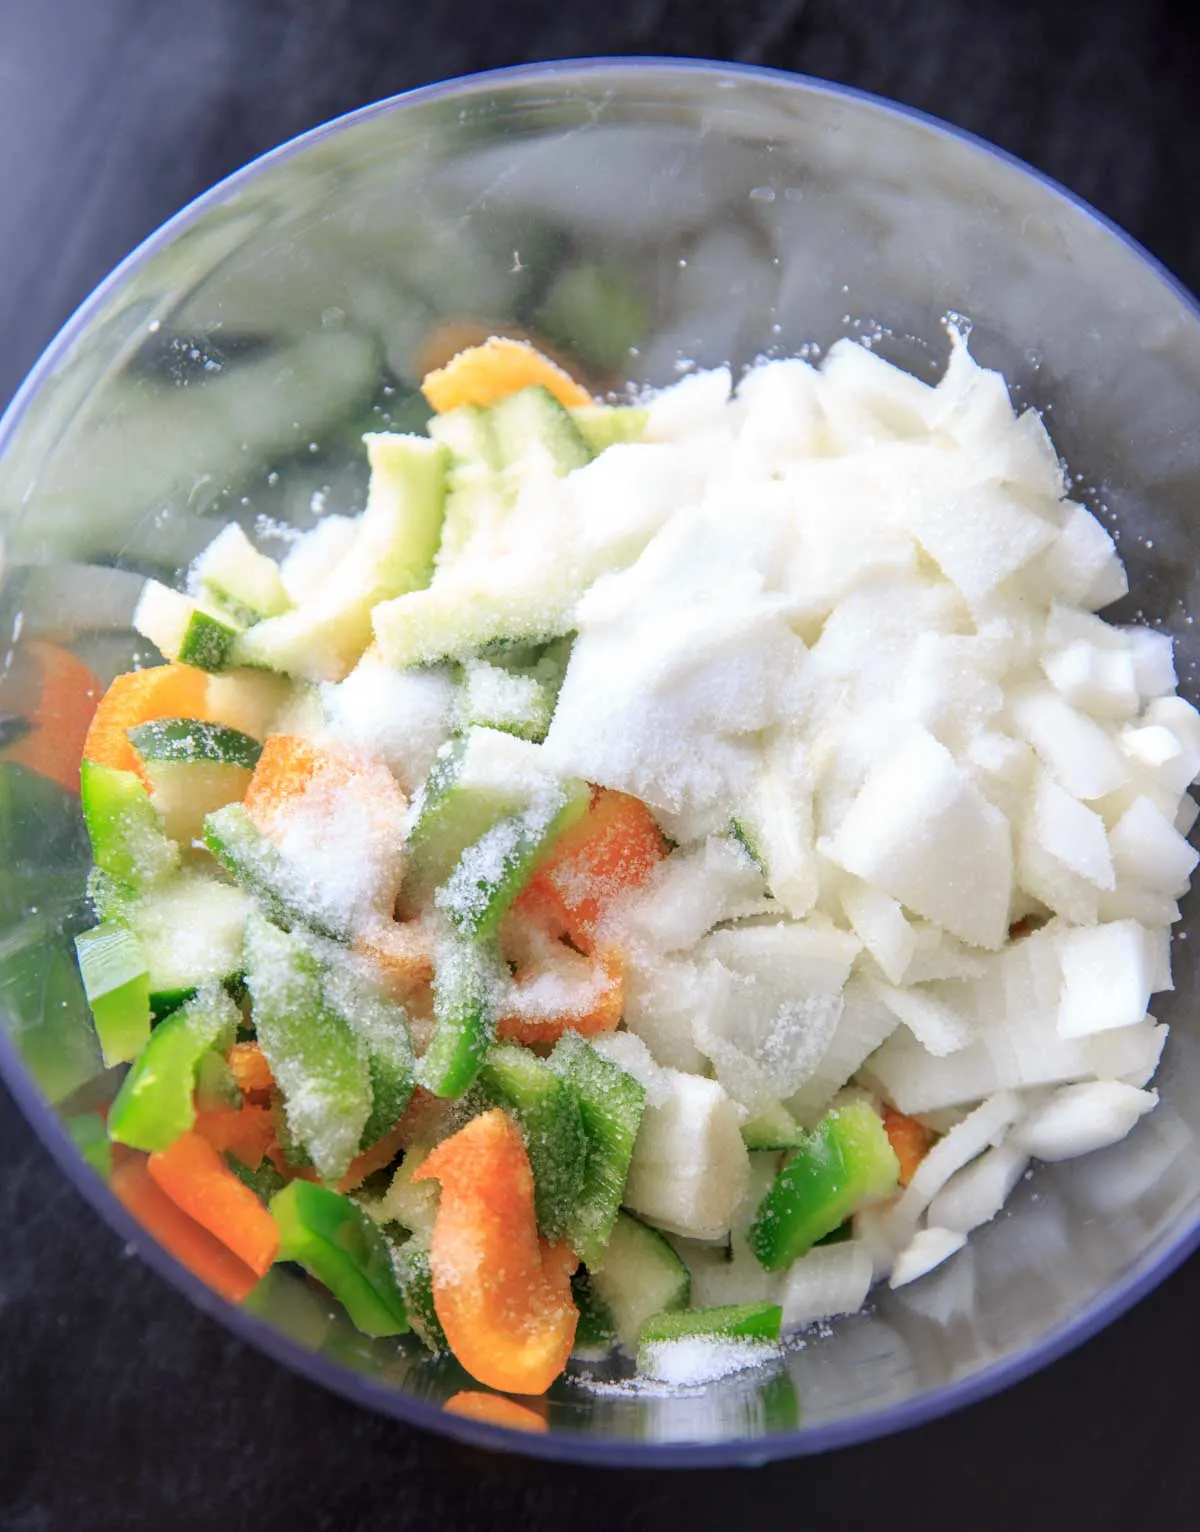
x=658 y=872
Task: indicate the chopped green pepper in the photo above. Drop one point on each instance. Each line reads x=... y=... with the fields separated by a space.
x=731 y=1321
x=117 y=984
x=264 y=1181
x=126 y=833
x=90 y=1138
x=466 y=979
x=318 y=1062
x=846 y=1161
x=552 y=1123
x=493 y=870
x=45 y=1009
x=773 y=1128
x=256 y=864
x=416 y=1283
x=339 y=1245
x=155 y=1103
x=381 y=1027
x=611 y=1103
x=216 y=1087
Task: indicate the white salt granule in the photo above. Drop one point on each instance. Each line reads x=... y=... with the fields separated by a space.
x=552 y=981
x=703 y=1359
x=313 y=554
x=352 y=804
x=686 y=896
x=399 y=717
x=504 y=698
x=630 y=1053
x=705 y=658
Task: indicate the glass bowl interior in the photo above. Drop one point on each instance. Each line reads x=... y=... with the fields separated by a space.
x=638 y=217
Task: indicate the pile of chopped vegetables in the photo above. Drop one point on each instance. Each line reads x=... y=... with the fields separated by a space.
x=657 y=872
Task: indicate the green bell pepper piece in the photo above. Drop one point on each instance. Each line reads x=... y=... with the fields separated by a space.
x=730 y=1321
x=494 y=869
x=611 y=1103
x=41 y=826
x=123 y=825
x=117 y=985
x=846 y=1161
x=289 y=1302
x=90 y=1138
x=552 y=1123
x=319 y=1064
x=264 y=1181
x=466 y=980
x=216 y=1087
x=155 y=1103
x=45 y=1011
x=381 y=1027
x=774 y=1128
x=416 y=1283
x=339 y=1245
x=256 y=864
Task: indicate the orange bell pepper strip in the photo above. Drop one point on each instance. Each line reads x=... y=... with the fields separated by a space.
x=401 y=953
x=613 y=848
x=494 y=1410
x=502 y=1295
x=447 y=337
x=59 y=714
x=499 y=367
x=910 y=1139
x=198 y=1181
x=191 y=1245
x=425 y=1120
x=251 y=1070
x=381 y=1153
x=286 y=769
x=247 y=1132
x=292 y=768
x=601 y=1013
x=162 y=691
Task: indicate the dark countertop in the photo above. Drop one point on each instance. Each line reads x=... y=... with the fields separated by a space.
x=122 y=1407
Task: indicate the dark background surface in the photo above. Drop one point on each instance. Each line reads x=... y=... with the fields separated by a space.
x=120 y=1406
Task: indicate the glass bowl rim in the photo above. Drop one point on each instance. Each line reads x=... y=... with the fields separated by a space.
x=568 y=1447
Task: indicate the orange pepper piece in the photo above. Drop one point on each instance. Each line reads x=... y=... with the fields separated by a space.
x=381 y=1153
x=250 y=1069
x=198 y=1181
x=402 y=954
x=192 y=1246
x=425 y=1119
x=291 y=767
x=448 y=337
x=910 y=1139
x=286 y=769
x=603 y=1014
x=614 y=847
x=495 y=1410
x=499 y=367
x=503 y=1295
x=162 y=691
x=59 y=713
x=247 y=1132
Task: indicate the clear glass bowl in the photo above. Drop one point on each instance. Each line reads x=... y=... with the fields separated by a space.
x=638 y=214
